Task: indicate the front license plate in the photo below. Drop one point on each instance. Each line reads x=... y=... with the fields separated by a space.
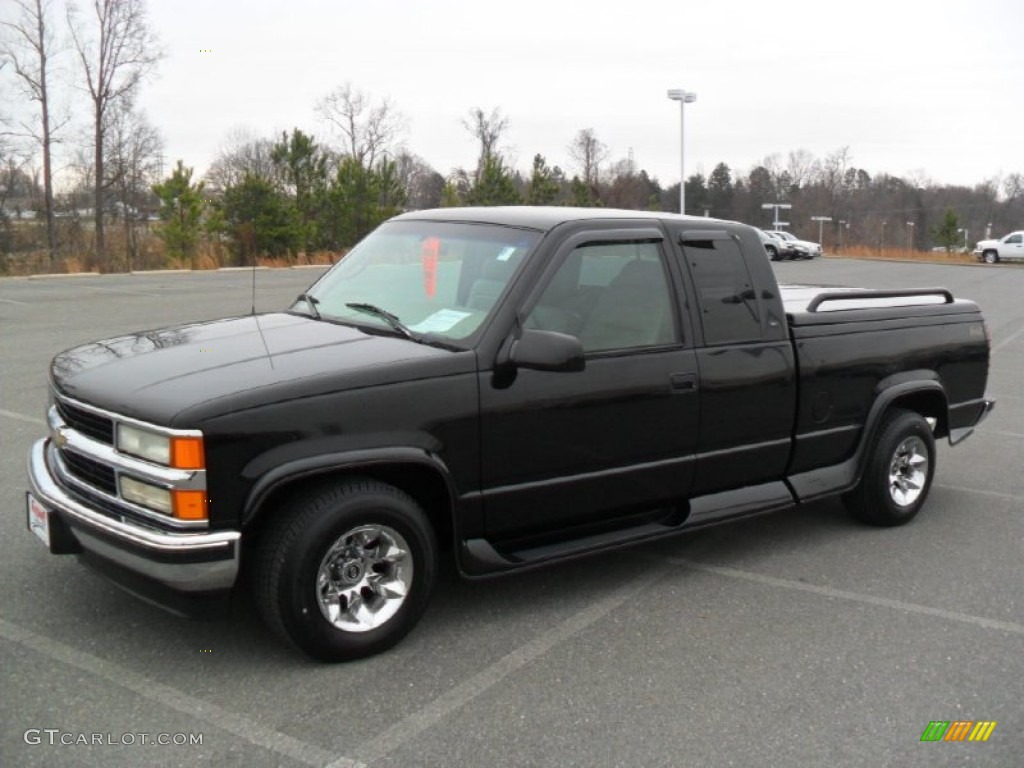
x=38 y=520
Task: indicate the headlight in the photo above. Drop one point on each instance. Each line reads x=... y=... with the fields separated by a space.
x=144 y=444
x=147 y=495
x=184 y=505
x=178 y=452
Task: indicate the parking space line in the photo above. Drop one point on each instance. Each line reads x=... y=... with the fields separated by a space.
x=426 y=717
x=842 y=594
x=21 y=417
x=12 y=301
x=1012 y=337
x=172 y=698
x=982 y=492
x=121 y=290
x=1002 y=433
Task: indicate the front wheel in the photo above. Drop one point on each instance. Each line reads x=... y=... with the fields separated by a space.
x=773 y=252
x=899 y=471
x=991 y=257
x=345 y=570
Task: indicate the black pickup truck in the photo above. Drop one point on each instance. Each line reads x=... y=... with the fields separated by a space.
x=508 y=386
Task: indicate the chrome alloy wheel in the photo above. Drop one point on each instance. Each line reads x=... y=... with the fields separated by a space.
x=908 y=471
x=364 y=578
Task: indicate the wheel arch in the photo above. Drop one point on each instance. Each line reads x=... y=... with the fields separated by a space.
x=918 y=391
x=421 y=475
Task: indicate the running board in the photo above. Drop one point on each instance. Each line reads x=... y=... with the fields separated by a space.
x=479 y=557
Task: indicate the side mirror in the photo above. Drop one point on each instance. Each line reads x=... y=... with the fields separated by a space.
x=547 y=351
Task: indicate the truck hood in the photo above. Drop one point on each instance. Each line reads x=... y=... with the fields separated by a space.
x=982 y=244
x=206 y=369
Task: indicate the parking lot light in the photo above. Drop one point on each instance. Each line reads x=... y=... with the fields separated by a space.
x=684 y=98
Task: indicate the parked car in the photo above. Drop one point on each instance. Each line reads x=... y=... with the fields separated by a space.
x=505 y=387
x=777 y=247
x=1009 y=248
x=802 y=249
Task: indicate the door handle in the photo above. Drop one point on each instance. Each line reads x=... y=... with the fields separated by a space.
x=683 y=382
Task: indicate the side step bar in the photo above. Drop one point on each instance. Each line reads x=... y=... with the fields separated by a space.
x=479 y=557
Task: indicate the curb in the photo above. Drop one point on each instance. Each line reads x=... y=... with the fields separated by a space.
x=59 y=275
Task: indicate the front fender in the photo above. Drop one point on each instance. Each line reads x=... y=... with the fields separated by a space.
x=269 y=473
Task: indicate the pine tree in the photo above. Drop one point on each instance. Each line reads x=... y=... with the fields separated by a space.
x=181 y=210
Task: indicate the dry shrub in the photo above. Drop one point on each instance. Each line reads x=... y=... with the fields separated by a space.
x=902 y=254
x=73 y=265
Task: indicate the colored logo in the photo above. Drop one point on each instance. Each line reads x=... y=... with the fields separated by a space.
x=958 y=730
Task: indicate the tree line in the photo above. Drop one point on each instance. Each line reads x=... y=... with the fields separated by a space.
x=297 y=193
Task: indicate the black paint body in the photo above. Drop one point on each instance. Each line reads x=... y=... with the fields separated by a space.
x=518 y=467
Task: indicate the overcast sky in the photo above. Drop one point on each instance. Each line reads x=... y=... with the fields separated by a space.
x=911 y=86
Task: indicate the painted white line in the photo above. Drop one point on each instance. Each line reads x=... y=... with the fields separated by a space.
x=1012 y=337
x=982 y=492
x=411 y=726
x=997 y=398
x=842 y=594
x=12 y=301
x=172 y=698
x=20 y=417
x=999 y=432
x=122 y=290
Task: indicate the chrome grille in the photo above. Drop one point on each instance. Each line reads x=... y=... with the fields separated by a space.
x=92 y=424
x=90 y=471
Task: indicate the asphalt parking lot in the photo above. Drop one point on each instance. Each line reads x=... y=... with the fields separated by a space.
x=800 y=639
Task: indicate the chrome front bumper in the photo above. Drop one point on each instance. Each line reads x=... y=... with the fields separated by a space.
x=182 y=562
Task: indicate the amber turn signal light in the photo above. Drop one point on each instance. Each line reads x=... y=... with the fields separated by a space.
x=189 y=505
x=187 y=453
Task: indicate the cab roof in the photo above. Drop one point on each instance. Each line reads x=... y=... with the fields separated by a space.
x=544 y=218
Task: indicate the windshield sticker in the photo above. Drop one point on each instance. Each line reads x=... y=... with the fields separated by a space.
x=441 y=321
x=506 y=253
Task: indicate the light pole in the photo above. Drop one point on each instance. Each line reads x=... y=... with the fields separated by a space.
x=777 y=206
x=910 y=235
x=821 y=223
x=684 y=98
x=881 y=238
x=841 y=225
x=966 y=233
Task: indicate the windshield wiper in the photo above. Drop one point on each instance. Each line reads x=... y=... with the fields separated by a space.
x=311 y=302
x=383 y=314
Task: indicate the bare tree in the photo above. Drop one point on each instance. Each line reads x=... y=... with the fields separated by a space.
x=241 y=155
x=488 y=131
x=115 y=60
x=133 y=159
x=27 y=45
x=369 y=130
x=801 y=167
x=588 y=152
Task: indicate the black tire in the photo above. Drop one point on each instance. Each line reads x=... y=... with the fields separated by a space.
x=350 y=533
x=773 y=252
x=899 y=471
x=991 y=257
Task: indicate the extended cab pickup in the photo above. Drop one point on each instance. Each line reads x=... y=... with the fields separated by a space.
x=508 y=386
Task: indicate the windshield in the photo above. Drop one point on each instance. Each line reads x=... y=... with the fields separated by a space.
x=434 y=279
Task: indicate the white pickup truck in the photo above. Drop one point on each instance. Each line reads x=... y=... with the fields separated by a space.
x=1010 y=248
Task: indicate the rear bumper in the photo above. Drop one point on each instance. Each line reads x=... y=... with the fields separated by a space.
x=153 y=562
x=982 y=409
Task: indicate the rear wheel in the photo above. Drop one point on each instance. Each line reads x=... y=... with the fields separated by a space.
x=346 y=570
x=991 y=257
x=773 y=252
x=899 y=471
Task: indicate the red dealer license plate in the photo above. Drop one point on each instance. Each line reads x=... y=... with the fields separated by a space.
x=38 y=520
